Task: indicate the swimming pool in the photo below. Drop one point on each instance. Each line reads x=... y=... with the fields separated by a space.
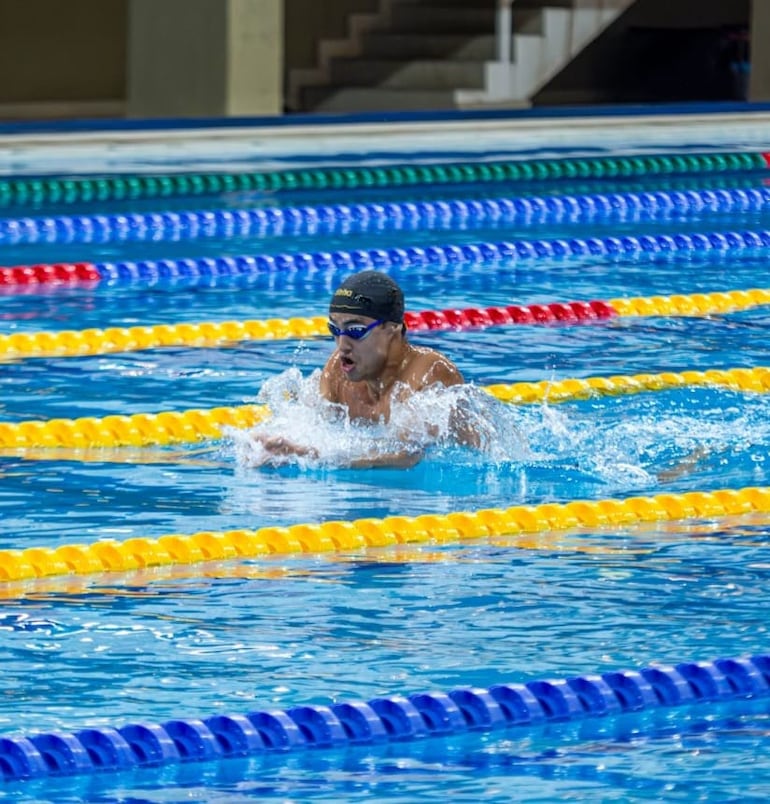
x=544 y=595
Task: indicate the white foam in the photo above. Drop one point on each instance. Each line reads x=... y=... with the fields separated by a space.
x=640 y=448
x=324 y=434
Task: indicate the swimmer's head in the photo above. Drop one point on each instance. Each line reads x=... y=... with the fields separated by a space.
x=371 y=294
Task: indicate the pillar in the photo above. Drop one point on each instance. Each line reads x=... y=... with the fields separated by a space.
x=759 y=77
x=205 y=58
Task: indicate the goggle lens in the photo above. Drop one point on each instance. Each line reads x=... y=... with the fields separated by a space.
x=356 y=332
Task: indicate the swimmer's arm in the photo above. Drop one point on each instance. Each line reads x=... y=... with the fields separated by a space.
x=433 y=368
x=278 y=445
x=401 y=459
x=445 y=372
x=463 y=432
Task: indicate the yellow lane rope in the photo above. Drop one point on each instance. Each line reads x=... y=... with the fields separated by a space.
x=696 y=304
x=742 y=379
x=137 y=430
x=490 y=524
x=191 y=426
x=71 y=343
x=133 y=583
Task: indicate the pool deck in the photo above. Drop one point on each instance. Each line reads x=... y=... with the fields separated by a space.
x=270 y=142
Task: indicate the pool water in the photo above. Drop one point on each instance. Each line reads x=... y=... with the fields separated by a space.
x=239 y=636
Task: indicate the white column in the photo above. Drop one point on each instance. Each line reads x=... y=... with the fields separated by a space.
x=503 y=31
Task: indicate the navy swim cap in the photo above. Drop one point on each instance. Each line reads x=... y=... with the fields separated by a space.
x=371 y=294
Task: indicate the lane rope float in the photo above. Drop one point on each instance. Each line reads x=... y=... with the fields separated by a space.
x=505 y=255
x=71 y=343
x=386 y=719
x=367 y=217
x=192 y=426
x=103 y=188
x=138 y=552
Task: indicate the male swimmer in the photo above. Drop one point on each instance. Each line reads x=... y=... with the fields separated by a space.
x=373 y=366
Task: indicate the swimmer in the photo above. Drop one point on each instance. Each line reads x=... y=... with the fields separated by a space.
x=374 y=365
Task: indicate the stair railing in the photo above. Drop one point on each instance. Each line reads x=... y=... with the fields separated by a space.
x=503 y=31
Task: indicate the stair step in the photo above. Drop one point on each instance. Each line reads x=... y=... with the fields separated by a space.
x=441 y=54
x=437 y=19
x=453 y=4
x=373 y=99
x=417 y=74
x=555 y=3
x=382 y=45
x=529 y=4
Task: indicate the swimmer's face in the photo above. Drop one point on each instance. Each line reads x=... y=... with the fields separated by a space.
x=364 y=357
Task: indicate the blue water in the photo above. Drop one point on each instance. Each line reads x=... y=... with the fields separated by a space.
x=233 y=637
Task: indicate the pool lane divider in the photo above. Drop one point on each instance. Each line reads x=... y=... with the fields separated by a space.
x=334 y=219
x=20 y=191
x=71 y=343
x=506 y=254
x=501 y=524
x=199 y=424
x=388 y=719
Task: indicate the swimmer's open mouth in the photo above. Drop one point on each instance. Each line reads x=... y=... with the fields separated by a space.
x=346 y=362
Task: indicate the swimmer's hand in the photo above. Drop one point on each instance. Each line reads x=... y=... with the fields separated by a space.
x=402 y=459
x=283 y=447
x=278 y=449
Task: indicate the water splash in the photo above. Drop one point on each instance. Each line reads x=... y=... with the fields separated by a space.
x=601 y=446
x=665 y=438
x=325 y=435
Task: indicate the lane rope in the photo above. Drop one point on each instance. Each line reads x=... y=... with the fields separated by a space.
x=367 y=217
x=68 y=190
x=199 y=424
x=70 y=343
x=387 y=718
x=110 y=555
x=504 y=255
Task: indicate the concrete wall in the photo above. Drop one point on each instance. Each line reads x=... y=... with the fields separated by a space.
x=95 y=58
x=62 y=58
x=190 y=58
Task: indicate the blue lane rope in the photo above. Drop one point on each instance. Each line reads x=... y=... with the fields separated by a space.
x=385 y=719
x=509 y=253
x=391 y=216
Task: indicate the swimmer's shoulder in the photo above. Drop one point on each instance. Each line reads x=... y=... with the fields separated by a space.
x=428 y=367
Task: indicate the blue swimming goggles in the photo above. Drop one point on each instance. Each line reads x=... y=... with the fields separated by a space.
x=355 y=331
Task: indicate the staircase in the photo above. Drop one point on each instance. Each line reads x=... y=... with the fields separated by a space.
x=447 y=54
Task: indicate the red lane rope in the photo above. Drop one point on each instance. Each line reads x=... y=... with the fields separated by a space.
x=60 y=272
x=562 y=312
